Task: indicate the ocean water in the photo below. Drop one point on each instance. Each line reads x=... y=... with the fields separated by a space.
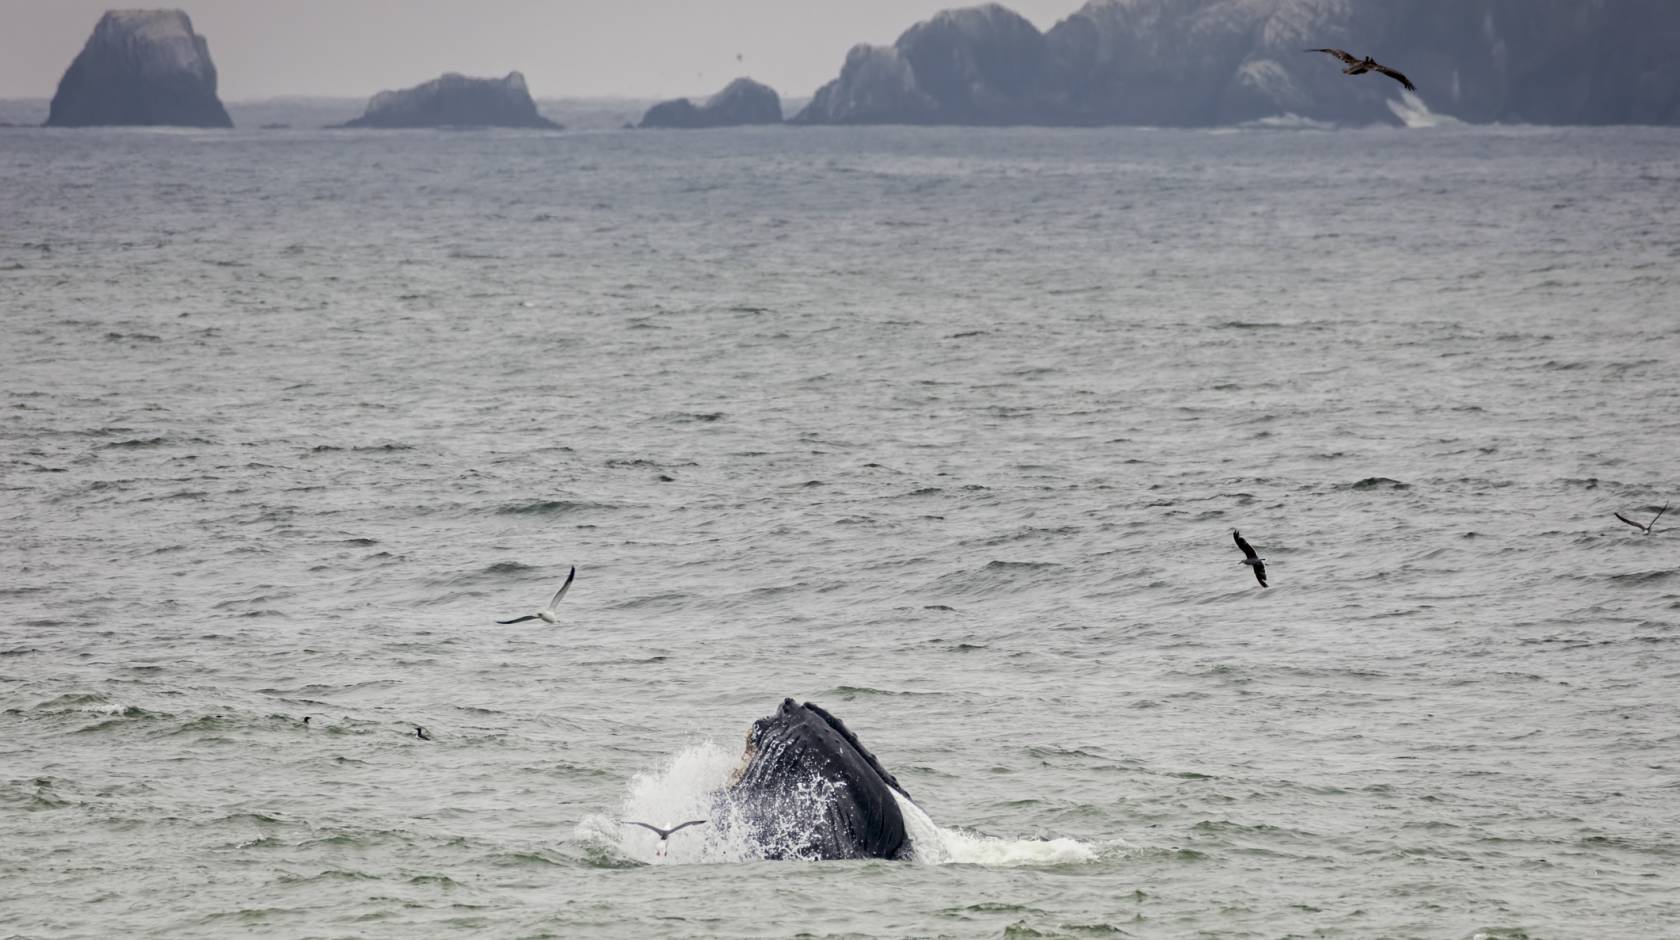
x=943 y=429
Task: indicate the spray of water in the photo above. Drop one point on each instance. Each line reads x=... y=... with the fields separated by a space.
x=687 y=787
x=1413 y=112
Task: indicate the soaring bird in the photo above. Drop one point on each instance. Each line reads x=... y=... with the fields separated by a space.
x=1251 y=559
x=663 y=834
x=1643 y=528
x=1358 y=66
x=547 y=614
x=421 y=733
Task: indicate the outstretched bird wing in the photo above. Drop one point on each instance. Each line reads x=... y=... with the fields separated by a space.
x=1346 y=57
x=1242 y=543
x=1656 y=517
x=1396 y=76
x=519 y=619
x=563 y=588
x=691 y=822
x=662 y=833
x=1629 y=521
x=1260 y=573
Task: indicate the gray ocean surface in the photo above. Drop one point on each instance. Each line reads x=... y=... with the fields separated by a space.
x=943 y=429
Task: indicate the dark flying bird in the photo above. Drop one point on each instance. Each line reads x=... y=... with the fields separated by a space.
x=422 y=733
x=547 y=614
x=663 y=834
x=1358 y=66
x=1643 y=528
x=1251 y=559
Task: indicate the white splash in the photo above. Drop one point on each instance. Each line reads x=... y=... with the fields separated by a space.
x=681 y=789
x=1412 y=112
x=1289 y=121
x=933 y=845
x=685 y=788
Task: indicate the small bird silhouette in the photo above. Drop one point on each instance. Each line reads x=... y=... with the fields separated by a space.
x=1646 y=528
x=1250 y=558
x=547 y=614
x=663 y=834
x=421 y=733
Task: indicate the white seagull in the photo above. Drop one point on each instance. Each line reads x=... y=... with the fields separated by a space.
x=663 y=834
x=547 y=614
x=1250 y=558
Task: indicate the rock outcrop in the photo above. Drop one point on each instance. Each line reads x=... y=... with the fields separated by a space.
x=979 y=65
x=1207 y=62
x=742 y=101
x=455 y=100
x=141 y=67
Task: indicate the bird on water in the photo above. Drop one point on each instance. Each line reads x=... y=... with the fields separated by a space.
x=1250 y=558
x=547 y=614
x=421 y=733
x=1646 y=528
x=663 y=834
x=1358 y=66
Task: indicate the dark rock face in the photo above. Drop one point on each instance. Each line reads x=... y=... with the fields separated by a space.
x=455 y=100
x=742 y=101
x=981 y=65
x=876 y=86
x=1204 y=62
x=141 y=67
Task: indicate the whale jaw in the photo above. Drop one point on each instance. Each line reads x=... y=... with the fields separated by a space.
x=810 y=790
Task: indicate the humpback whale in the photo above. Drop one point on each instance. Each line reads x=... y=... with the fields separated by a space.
x=809 y=789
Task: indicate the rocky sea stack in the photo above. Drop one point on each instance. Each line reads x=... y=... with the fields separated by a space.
x=455 y=100
x=742 y=101
x=142 y=67
x=1211 y=62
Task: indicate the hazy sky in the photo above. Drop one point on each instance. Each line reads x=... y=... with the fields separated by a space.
x=566 y=48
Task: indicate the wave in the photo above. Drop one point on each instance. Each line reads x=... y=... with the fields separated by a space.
x=1376 y=483
x=547 y=507
x=1288 y=121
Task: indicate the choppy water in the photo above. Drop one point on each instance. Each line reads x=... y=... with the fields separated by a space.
x=945 y=430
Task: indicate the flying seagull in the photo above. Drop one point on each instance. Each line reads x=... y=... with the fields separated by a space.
x=1643 y=528
x=547 y=614
x=663 y=834
x=1251 y=559
x=1358 y=66
x=421 y=733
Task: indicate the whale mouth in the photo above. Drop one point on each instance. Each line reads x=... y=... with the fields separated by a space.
x=747 y=754
x=807 y=788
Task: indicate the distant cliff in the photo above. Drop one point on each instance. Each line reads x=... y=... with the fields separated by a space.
x=742 y=101
x=140 y=67
x=1208 y=62
x=455 y=100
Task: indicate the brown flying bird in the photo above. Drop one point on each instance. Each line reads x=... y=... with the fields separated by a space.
x=1358 y=66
